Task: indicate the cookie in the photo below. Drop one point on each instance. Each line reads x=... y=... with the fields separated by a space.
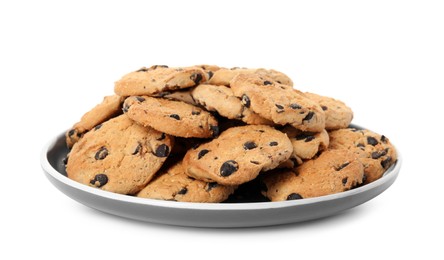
x=222 y=100
x=224 y=76
x=278 y=103
x=183 y=95
x=173 y=184
x=337 y=114
x=120 y=156
x=331 y=172
x=171 y=117
x=209 y=69
x=375 y=151
x=238 y=155
x=157 y=79
x=306 y=144
x=110 y=107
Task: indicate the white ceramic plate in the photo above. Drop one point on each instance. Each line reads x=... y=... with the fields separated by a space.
x=206 y=214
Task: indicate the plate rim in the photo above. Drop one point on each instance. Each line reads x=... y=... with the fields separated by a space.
x=389 y=174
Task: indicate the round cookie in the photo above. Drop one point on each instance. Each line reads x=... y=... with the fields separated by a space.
x=375 y=151
x=158 y=78
x=222 y=100
x=337 y=114
x=173 y=184
x=278 y=103
x=109 y=108
x=306 y=144
x=171 y=117
x=120 y=156
x=332 y=172
x=238 y=155
x=224 y=76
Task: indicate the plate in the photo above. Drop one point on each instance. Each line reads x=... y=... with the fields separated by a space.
x=224 y=215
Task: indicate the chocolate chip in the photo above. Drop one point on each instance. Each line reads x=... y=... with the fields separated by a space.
x=372 y=141
x=383 y=139
x=101 y=154
x=246 y=100
x=215 y=130
x=360 y=145
x=202 y=153
x=97 y=127
x=344 y=181
x=143 y=69
x=99 y=180
x=295 y=106
x=158 y=66
x=228 y=168
x=255 y=162
x=308 y=116
x=175 y=116
x=137 y=150
x=324 y=108
x=196 y=77
x=162 y=150
x=267 y=83
x=72 y=132
x=249 y=145
x=125 y=108
x=377 y=155
x=162 y=136
x=195 y=113
x=386 y=163
x=274 y=143
x=163 y=94
x=211 y=185
x=210 y=74
x=294 y=196
x=342 y=166
x=140 y=99
x=279 y=109
x=183 y=191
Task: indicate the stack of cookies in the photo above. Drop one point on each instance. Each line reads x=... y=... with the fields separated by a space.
x=211 y=134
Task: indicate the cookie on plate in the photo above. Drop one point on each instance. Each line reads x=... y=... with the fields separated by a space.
x=306 y=144
x=110 y=107
x=278 y=103
x=337 y=114
x=332 y=172
x=222 y=100
x=157 y=79
x=120 y=156
x=375 y=151
x=173 y=184
x=172 y=117
x=238 y=155
x=224 y=76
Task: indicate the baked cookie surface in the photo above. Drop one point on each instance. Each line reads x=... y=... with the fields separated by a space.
x=110 y=107
x=306 y=145
x=173 y=184
x=172 y=117
x=222 y=100
x=224 y=76
x=375 y=150
x=120 y=156
x=278 y=103
x=238 y=155
x=157 y=79
x=331 y=172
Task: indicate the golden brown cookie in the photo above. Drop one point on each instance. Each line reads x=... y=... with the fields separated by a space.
x=332 y=172
x=120 y=156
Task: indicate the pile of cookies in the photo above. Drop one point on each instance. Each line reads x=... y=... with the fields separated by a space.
x=212 y=134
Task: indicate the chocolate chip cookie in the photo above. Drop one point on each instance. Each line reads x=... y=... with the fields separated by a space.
x=337 y=114
x=222 y=100
x=109 y=108
x=238 y=155
x=172 y=117
x=331 y=172
x=278 y=103
x=375 y=151
x=173 y=184
x=224 y=76
x=120 y=156
x=157 y=79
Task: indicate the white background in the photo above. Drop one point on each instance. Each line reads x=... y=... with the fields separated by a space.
x=385 y=59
